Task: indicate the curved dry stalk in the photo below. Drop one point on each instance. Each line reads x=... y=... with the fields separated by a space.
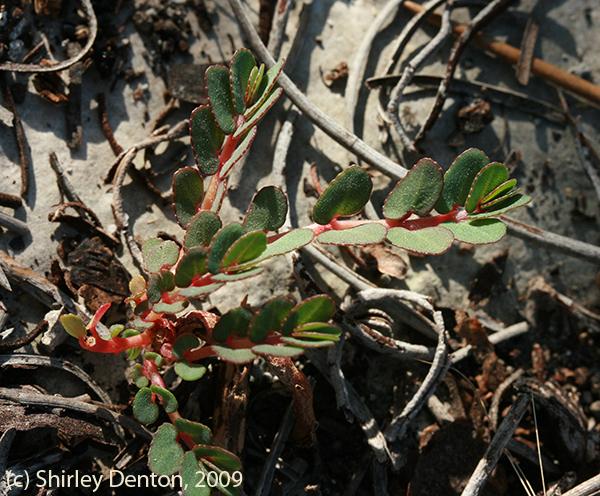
x=93 y=31
x=588 y=488
x=492 y=455
x=338 y=133
x=49 y=401
x=398 y=426
x=484 y=16
x=280 y=19
x=15 y=225
x=411 y=67
x=359 y=63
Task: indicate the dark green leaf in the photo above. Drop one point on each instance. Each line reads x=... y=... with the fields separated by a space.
x=501 y=190
x=207 y=139
x=159 y=254
x=246 y=248
x=346 y=195
x=191 y=265
x=417 y=192
x=459 y=178
x=267 y=211
x=188 y=191
x=270 y=318
x=477 y=232
x=235 y=321
x=160 y=283
x=290 y=241
x=73 y=325
x=165 y=456
x=185 y=343
x=137 y=376
x=241 y=66
x=168 y=400
x=502 y=205
x=318 y=308
x=237 y=276
x=428 y=241
x=200 y=433
x=221 y=99
x=366 y=234
x=189 y=371
x=196 y=291
x=144 y=409
x=264 y=88
x=486 y=180
x=221 y=243
x=203 y=226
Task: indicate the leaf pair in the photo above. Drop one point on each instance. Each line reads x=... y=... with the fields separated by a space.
x=239 y=96
x=299 y=326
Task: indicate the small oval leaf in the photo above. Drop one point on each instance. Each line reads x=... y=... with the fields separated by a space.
x=144 y=409
x=201 y=229
x=270 y=318
x=241 y=66
x=189 y=371
x=159 y=254
x=234 y=322
x=417 y=192
x=427 y=241
x=477 y=232
x=188 y=191
x=226 y=237
x=73 y=325
x=191 y=265
x=248 y=247
x=165 y=455
x=159 y=283
x=278 y=351
x=346 y=195
x=207 y=139
x=200 y=433
x=318 y=308
x=486 y=180
x=238 y=356
x=168 y=400
x=267 y=210
x=459 y=178
x=221 y=99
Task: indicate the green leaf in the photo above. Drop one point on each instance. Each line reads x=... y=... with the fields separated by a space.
x=189 y=371
x=241 y=66
x=221 y=99
x=144 y=409
x=159 y=254
x=219 y=457
x=191 y=265
x=477 y=232
x=267 y=211
x=201 y=229
x=278 y=351
x=246 y=248
x=188 y=191
x=195 y=291
x=193 y=478
x=260 y=113
x=318 y=308
x=170 y=308
x=427 y=241
x=501 y=190
x=270 y=318
x=254 y=81
x=185 y=343
x=200 y=433
x=365 y=234
x=502 y=205
x=115 y=330
x=346 y=195
x=136 y=375
x=235 y=321
x=290 y=241
x=486 y=180
x=238 y=356
x=160 y=283
x=73 y=325
x=318 y=331
x=137 y=285
x=306 y=343
x=417 y=192
x=169 y=402
x=155 y=357
x=459 y=177
x=239 y=153
x=165 y=456
x=207 y=139
x=264 y=89
x=237 y=276
x=226 y=237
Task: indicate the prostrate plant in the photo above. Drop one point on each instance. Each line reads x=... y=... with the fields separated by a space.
x=164 y=333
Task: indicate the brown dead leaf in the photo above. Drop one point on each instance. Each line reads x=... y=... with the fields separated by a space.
x=338 y=74
x=51 y=87
x=388 y=261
